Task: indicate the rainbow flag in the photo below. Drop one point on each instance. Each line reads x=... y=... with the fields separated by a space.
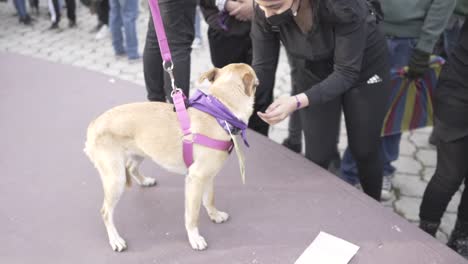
x=411 y=100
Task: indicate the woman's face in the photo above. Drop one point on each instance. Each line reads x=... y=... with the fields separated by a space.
x=274 y=7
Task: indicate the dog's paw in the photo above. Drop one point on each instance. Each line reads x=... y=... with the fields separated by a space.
x=219 y=217
x=117 y=243
x=147 y=182
x=196 y=241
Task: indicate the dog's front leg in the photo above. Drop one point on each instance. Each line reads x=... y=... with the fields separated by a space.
x=194 y=186
x=208 y=201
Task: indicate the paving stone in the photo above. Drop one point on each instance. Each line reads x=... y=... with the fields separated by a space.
x=407 y=148
x=411 y=186
x=453 y=205
x=408 y=207
x=421 y=140
x=427 y=173
x=407 y=165
x=427 y=157
x=447 y=223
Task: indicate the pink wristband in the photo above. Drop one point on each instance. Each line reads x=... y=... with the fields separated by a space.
x=298 y=103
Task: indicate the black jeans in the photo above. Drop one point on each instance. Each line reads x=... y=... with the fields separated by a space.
x=71 y=10
x=178 y=17
x=229 y=49
x=364 y=107
x=102 y=11
x=451 y=171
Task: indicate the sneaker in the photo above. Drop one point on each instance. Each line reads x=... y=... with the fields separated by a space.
x=103 y=32
x=96 y=28
x=54 y=26
x=197 y=43
x=387 y=189
x=71 y=24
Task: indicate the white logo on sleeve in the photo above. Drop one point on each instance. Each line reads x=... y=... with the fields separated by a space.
x=374 y=79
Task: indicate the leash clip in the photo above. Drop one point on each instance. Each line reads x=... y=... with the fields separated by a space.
x=168 y=66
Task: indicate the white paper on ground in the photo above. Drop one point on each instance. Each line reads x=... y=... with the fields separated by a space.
x=328 y=249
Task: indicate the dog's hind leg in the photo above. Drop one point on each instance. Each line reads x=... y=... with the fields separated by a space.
x=111 y=167
x=132 y=167
x=208 y=202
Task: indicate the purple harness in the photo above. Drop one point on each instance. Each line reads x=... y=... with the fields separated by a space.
x=214 y=107
x=210 y=105
x=200 y=101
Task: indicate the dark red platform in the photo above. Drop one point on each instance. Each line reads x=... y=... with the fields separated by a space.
x=50 y=194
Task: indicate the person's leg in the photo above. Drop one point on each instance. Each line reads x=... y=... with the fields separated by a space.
x=238 y=47
x=451 y=170
x=178 y=18
x=364 y=108
x=400 y=50
x=71 y=12
x=129 y=13
x=349 y=170
x=152 y=66
x=115 y=22
x=54 y=8
x=294 y=139
x=20 y=6
x=320 y=125
x=103 y=12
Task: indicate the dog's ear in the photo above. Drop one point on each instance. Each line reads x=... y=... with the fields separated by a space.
x=209 y=75
x=250 y=83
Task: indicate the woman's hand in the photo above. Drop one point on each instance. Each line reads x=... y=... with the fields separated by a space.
x=279 y=110
x=244 y=12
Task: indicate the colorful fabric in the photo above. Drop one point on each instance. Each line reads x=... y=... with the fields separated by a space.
x=411 y=104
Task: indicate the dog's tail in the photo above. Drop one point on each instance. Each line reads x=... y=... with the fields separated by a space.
x=90 y=141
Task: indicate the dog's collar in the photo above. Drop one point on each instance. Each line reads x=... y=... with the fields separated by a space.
x=226 y=119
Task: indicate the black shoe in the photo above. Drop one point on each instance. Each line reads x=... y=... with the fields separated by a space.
x=96 y=28
x=71 y=24
x=458 y=240
x=54 y=26
x=294 y=147
x=429 y=227
x=26 y=20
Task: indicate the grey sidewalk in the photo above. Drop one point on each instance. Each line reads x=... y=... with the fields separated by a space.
x=78 y=47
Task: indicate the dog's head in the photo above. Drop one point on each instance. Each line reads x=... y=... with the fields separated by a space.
x=234 y=85
x=242 y=74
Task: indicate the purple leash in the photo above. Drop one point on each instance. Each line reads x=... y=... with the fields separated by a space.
x=178 y=96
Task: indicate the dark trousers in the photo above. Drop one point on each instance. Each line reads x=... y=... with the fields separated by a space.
x=102 y=11
x=451 y=171
x=229 y=49
x=71 y=10
x=364 y=108
x=178 y=17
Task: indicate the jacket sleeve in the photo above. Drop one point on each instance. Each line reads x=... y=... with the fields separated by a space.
x=350 y=30
x=434 y=24
x=265 y=53
x=210 y=13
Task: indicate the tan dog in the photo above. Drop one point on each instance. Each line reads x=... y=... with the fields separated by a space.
x=119 y=140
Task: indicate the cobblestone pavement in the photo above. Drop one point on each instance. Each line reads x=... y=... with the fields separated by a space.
x=78 y=47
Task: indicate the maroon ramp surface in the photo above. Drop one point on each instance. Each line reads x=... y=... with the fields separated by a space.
x=50 y=194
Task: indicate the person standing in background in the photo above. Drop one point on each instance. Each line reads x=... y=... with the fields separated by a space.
x=123 y=15
x=23 y=15
x=55 y=13
x=451 y=131
x=228 y=35
x=412 y=28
